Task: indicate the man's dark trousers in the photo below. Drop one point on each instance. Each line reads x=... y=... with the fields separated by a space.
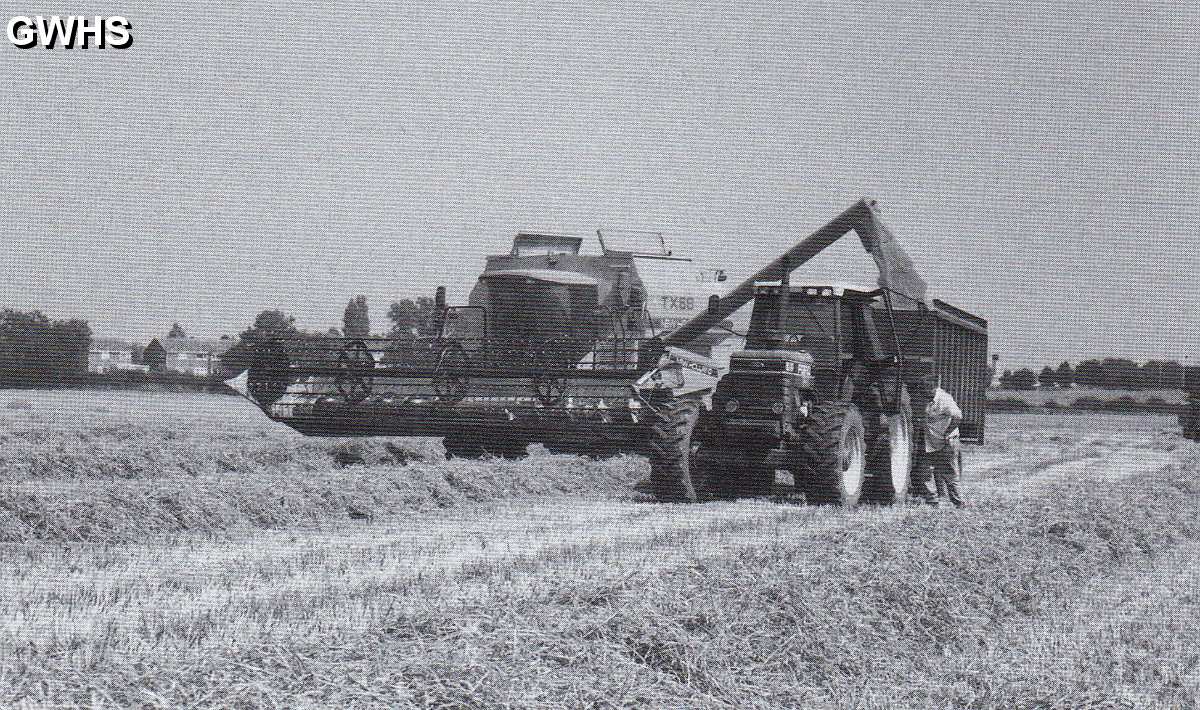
x=943 y=468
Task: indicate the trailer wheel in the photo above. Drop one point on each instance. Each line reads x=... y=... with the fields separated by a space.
x=890 y=460
x=832 y=453
x=674 y=473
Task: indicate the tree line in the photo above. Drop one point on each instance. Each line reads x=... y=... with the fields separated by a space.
x=37 y=351
x=1107 y=373
x=407 y=319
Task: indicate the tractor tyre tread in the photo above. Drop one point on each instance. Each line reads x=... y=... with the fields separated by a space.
x=820 y=451
x=878 y=487
x=669 y=447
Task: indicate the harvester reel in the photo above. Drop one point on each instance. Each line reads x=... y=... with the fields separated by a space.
x=355 y=363
x=550 y=385
x=451 y=387
x=550 y=390
x=268 y=378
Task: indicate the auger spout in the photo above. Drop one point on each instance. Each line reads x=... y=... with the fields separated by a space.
x=896 y=270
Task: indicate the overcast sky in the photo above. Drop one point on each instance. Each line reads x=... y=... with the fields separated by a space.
x=1040 y=163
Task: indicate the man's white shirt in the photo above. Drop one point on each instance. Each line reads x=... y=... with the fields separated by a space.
x=939 y=413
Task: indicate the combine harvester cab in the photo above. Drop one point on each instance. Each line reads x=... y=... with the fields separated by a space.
x=547 y=350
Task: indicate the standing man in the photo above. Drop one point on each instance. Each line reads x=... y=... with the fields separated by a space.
x=940 y=462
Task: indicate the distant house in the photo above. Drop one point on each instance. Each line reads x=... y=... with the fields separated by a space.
x=194 y=356
x=110 y=354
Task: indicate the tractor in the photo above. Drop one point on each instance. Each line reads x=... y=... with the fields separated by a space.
x=832 y=387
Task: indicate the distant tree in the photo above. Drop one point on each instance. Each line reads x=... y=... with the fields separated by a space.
x=1090 y=372
x=411 y=318
x=1047 y=377
x=1172 y=375
x=355 y=321
x=270 y=324
x=176 y=331
x=35 y=350
x=1119 y=373
x=1064 y=376
x=1006 y=379
x=155 y=356
x=1161 y=374
x=267 y=324
x=1024 y=379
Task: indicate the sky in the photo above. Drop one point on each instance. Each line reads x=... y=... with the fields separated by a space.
x=1040 y=163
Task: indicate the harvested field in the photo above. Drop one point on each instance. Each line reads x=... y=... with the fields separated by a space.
x=169 y=550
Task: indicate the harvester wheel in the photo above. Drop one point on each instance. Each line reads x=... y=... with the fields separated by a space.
x=674 y=473
x=890 y=459
x=832 y=455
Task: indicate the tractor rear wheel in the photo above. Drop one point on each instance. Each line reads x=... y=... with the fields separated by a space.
x=675 y=475
x=832 y=453
x=890 y=459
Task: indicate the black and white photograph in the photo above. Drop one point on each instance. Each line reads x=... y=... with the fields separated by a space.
x=546 y=355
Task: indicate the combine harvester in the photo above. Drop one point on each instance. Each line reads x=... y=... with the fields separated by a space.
x=566 y=349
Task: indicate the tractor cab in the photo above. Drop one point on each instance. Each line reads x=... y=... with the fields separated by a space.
x=805 y=345
x=832 y=327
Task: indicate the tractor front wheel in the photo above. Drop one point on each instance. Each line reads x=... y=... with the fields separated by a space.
x=832 y=453
x=675 y=473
